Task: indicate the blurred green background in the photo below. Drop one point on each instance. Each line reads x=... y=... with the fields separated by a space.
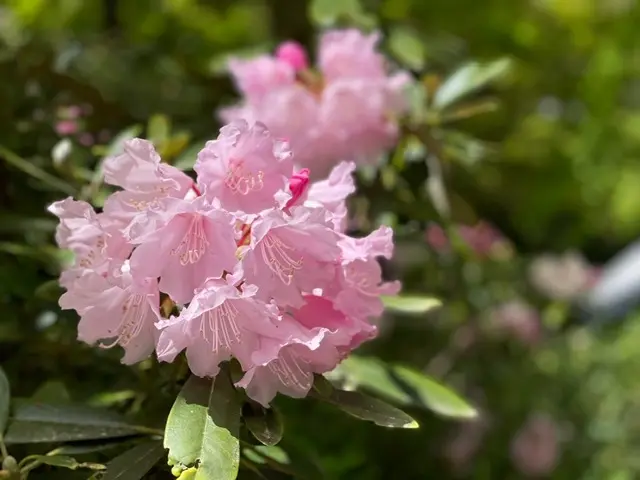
x=547 y=153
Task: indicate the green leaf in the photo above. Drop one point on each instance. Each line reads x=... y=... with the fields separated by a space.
x=51 y=392
x=135 y=463
x=373 y=375
x=158 y=129
x=407 y=47
x=368 y=408
x=328 y=12
x=63 y=461
x=46 y=423
x=434 y=395
x=203 y=427
x=469 y=78
x=265 y=424
x=36 y=172
x=5 y=400
x=411 y=304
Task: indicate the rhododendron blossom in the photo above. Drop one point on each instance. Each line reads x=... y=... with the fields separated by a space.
x=251 y=259
x=345 y=109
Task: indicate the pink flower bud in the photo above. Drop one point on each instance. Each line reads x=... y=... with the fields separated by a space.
x=298 y=184
x=294 y=54
x=66 y=127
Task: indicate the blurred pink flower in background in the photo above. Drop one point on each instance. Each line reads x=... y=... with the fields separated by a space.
x=66 y=127
x=518 y=320
x=482 y=238
x=465 y=442
x=535 y=448
x=562 y=277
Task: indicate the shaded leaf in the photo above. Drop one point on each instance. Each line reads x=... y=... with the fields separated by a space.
x=372 y=409
x=407 y=47
x=434 y=395
x=265 y=424
x=51 y=392
x=36 y=172
x=5 y=400
x=469 y=78
x=46 y=423
x=135 y=463
x=64 y=461
x=203 y=427
x=411 y=304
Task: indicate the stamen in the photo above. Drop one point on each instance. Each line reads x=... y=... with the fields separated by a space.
x=219 y=327
x=194 y=243
x=289 y=372
x=131 y=323
x=274 y=254
x=243 y=181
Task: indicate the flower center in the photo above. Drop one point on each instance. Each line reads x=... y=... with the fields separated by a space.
x=241 y=180
x=194 y=243
x=276 y=254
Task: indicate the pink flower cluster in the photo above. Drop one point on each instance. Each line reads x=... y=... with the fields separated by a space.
x=346 y=109
x=252 y=256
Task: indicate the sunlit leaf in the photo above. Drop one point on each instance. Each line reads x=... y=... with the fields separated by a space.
x=411 y=304
x=5 y=400
x=135 y=463
x=158 y=129
x=61 y=151
x=203 y=427
x=372 y=409
x=265 y=424
x=407 y=47
x=469 y=78
x=434 y=395
x=48 y=423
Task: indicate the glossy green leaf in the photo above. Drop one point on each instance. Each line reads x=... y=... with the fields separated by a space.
x=203 y=427
x=265 y=424
x=371 y=374
x=407 y=47
x=260 y=454
x=64 y=461
x=411 y=304
x=469 y=78
x=372 y=409
x=402 y=385
x=136 y=462
x=434 y=395
x=5 y=400
x=47 y=423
